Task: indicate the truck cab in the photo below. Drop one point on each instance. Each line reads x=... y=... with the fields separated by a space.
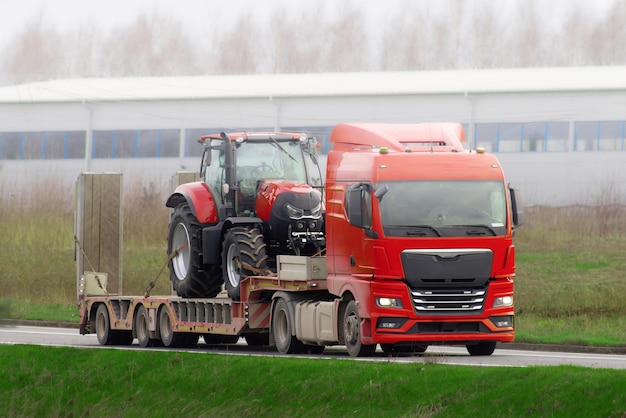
x=419 y=235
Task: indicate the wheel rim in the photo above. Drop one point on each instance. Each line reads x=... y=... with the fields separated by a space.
x=165 y=327
x=180 y=262
x=100 y=326
x=142 y=327
x=231 y=266
x=351 y=329
x=281 y=331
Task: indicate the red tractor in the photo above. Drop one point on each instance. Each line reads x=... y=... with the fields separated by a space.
x=260 y=196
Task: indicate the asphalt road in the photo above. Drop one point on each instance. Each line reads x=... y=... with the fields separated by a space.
x=70 y=337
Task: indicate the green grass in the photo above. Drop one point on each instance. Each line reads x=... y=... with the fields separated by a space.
x=45 y=381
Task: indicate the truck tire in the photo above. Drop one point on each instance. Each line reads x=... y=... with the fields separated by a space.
x=243 y=255
x=190 y=277
x=286 y=342
x=142 y=329
x=350 y=328
x=103 y=326
x=104 y=333
x=168 y=336
x=481 y=349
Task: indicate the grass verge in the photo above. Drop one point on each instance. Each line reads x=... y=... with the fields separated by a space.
x=45 y=381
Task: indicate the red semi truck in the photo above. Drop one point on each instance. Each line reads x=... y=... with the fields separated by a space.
x=413 y=247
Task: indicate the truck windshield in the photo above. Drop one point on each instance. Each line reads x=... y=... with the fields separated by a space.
x=443 y=208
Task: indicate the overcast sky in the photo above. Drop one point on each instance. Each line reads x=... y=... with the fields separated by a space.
x=199 y=14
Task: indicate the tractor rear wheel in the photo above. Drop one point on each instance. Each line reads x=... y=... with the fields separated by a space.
x=190 y=277
x=244 y=255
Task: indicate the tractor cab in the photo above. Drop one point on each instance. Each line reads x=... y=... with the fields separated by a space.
x=235 y=165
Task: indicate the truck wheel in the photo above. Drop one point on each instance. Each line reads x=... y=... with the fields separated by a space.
x=107 y=336
x=142 y=329
x=189 y=276
x=243 y=255
x=168 y=336
x=351 y=328
x=286 y=342
x=103 y=326
x=481 y=349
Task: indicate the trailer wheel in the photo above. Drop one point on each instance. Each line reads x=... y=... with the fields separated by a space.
x=481 y=349
x=286 y=342
x=103 y=326
x=189 y=275
x=142 y=329
x=351 y=328
x=243 y=255
x=168 y=336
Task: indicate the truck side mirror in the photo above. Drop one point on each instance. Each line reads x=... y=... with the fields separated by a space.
x=359 y=207
x=516 y=209
x=353 y=206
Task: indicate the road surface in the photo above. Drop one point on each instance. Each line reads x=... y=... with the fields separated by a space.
x=70 y=337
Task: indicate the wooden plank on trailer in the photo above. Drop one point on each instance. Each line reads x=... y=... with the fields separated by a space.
x=86 y=238
x=110 y=229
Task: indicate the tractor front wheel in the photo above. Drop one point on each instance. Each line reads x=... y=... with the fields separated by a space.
x=244 y=255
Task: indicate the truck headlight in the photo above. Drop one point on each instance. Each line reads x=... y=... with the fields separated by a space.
x=503 y=301
x=388 y=303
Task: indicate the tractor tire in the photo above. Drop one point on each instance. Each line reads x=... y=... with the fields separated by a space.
x=190 y=277
x=243 y=255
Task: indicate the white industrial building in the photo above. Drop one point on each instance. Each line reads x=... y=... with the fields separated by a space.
x=559 y=132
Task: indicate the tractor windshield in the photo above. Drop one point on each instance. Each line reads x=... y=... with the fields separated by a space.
x=265 y=160
x=255 y=160
x=443 y=208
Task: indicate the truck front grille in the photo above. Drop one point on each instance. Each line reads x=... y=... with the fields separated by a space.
x=448 y=301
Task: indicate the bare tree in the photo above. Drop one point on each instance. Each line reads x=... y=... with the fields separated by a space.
x=330 y=36
x=35 y=54
x=294 y=44
x=151 y=45
x=238 y=49
x=346 y=46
